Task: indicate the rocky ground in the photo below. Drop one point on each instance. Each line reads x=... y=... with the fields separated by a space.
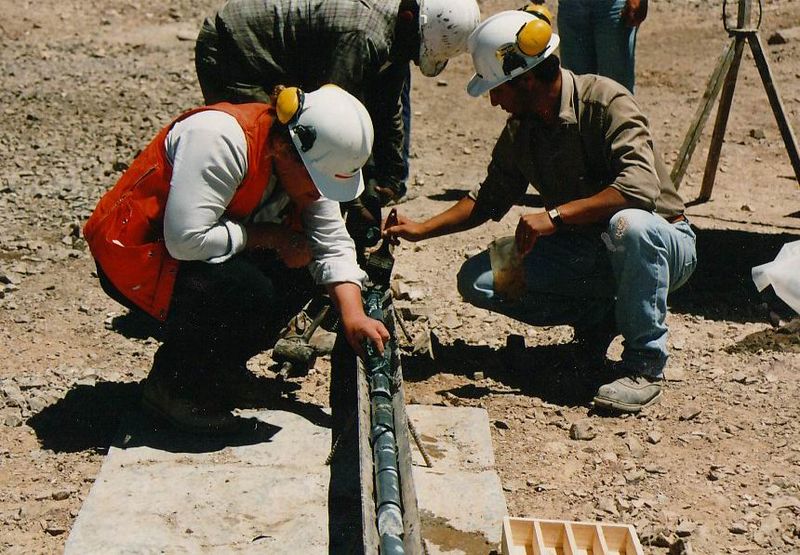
x=715 y=465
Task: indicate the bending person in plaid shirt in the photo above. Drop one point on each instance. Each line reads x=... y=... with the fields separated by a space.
x=364 y=46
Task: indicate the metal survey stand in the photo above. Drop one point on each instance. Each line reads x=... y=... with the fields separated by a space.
x=724 y=78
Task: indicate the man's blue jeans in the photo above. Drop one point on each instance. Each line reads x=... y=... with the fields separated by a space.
x=594 y=39
x=578 y=279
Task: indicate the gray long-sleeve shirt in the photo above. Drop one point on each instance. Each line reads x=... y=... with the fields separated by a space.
x=208 y=153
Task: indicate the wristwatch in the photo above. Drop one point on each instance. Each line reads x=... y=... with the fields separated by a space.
x=555 y=217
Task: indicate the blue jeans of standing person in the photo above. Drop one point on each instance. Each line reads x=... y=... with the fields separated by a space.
x=622 y=274
x=594 y=39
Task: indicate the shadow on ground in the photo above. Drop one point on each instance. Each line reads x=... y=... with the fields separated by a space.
x=545 y=371
x=137 y=325
x=92 y=418
x=721 y=287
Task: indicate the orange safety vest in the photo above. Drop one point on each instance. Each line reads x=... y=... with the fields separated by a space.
x=125 y=233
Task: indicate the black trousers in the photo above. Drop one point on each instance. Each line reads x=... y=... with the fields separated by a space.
x=223 y=314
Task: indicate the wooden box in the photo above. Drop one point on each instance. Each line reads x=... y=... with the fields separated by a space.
x=533 y=536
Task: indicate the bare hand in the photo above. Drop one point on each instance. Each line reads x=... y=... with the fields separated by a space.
x=405 y=228
x=634 y=12
x=363 y=328
x=530 y=228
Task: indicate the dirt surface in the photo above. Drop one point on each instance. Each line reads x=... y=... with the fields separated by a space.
x=716 y=464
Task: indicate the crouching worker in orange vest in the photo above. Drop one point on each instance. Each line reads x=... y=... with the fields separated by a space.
x=211 y=229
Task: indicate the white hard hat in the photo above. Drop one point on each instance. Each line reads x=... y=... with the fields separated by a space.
x=506 y=45
x=444 y=26
x=333 y=134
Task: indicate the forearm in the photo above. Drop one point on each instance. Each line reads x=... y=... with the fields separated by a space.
x=459 y=217
x=346 y=298
x=595 y=209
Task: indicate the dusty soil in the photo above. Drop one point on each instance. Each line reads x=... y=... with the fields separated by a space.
x=716 y=463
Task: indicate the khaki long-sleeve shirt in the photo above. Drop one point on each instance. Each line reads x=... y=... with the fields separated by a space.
x=601 y=140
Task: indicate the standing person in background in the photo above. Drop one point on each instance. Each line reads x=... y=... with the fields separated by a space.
x=364 y=46
x=213 y=231
x=599 y=36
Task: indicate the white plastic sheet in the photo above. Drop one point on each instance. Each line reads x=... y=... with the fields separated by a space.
x=783 y=274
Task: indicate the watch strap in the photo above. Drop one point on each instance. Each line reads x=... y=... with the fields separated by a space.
x=555 y=217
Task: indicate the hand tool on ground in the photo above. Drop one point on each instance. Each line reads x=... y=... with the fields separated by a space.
x=293 y=352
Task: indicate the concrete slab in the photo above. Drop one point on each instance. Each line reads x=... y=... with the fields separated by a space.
x=269 y=496
x=460 y=499
x=163 y=492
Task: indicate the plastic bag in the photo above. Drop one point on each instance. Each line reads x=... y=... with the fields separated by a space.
x=783 y=274
x=507 y=268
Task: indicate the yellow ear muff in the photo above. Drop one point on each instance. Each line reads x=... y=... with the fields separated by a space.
x=534 y=36
x=540 y=11
x=288 y=104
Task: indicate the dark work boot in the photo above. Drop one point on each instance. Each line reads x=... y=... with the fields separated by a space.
x=190 y=403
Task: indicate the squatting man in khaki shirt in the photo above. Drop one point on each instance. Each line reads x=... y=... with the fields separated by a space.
x=613 y=240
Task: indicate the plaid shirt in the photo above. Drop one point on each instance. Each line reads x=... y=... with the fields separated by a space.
x=263 y=43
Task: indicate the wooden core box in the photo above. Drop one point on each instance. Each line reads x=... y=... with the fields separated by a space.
x=533 y=536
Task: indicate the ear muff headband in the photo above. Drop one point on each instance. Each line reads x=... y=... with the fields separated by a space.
x=289 y=105
x=539 y=11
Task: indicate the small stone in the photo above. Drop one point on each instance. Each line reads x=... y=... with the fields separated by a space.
x=635 y=446
x=654 y=469
x=451 y=321
x=746 y=208
x=31 y=382
x=685 y=528
x=478 y=376
x=607 y=505
x=502 y=425
x=757 y=134
x=441 y=83
x=784 y=503
x=737 y=528
x=634 y=476
x=582 y=430
x=60 y=495
x=655 y=537
x=776 y=38
x=415 y=312
x=672 y=374
x=12 y=395
x=11 y=419
x=422 y=344
x=653 y=437
x=55 y=529
x=37 y=404
x=681 y=547
x=690 y=412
